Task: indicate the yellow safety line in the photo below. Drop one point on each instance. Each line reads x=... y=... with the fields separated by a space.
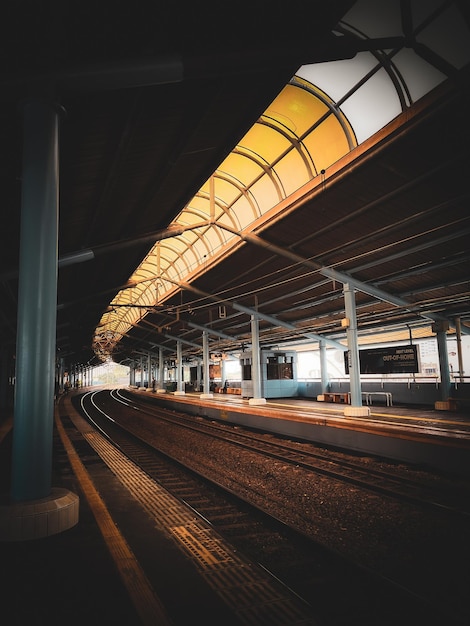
x=388 y=415
x=146 y=603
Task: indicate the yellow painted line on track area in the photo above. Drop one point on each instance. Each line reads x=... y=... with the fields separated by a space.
x=146 y=603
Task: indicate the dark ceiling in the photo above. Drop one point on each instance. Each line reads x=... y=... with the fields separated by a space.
x=155 y=97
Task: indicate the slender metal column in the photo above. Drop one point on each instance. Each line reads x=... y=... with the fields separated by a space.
x=61 y=374
x=199 y=376
x=353 y=352
x=161 y=381
x=179 y=369
x=441 y=332
x=255 y=363
x=353 y=355
x=37 y=304
x=205 y=364
x=323 y=368
x=458 y=336
x=222 y=371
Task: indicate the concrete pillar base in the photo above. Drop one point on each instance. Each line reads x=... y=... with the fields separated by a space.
x=36 y=519
x=179 y=393
x=161 y=390
x=256 y=401
x=357 y=411
x=206 y=396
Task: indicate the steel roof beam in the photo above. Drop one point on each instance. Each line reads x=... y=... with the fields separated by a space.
x=333 y=274
x=268 y=318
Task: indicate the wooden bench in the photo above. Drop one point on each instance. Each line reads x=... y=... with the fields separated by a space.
x=335 y=397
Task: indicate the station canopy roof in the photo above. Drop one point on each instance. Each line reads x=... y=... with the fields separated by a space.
x=263 y=185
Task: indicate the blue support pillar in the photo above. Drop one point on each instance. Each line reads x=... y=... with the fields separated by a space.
x=441 y=328
x=205 y=363
x=179 y=370
x=199 y=375
x=222 y=372
x=37 y=305
x=356 y=409
x=255 y=363
x=36 y=338
x=161 y=381
x=325 y=383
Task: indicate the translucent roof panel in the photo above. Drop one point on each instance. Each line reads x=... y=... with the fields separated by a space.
x=374 y=87
x=323 y=113
x=302 y=132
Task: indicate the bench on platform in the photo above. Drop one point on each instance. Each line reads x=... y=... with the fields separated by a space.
x=334 y=397
x=345 y=398
x=386 y=394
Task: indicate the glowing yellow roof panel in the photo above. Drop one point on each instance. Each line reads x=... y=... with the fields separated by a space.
x=300 y=133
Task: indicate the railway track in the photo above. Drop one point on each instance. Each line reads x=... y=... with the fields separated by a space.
x=314 y=573
x=422 y=489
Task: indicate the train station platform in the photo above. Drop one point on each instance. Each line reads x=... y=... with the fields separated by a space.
x=91 y=574
x=70 y=577
x=117 y=565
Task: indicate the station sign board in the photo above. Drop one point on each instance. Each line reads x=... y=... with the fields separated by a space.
x=215 y=371
x=389 y=360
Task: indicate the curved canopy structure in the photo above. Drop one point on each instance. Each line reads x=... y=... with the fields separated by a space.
x=297 y=138
x=324 y=112
x=250 y=172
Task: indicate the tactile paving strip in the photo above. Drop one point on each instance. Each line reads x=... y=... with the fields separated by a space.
x=254 y=596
